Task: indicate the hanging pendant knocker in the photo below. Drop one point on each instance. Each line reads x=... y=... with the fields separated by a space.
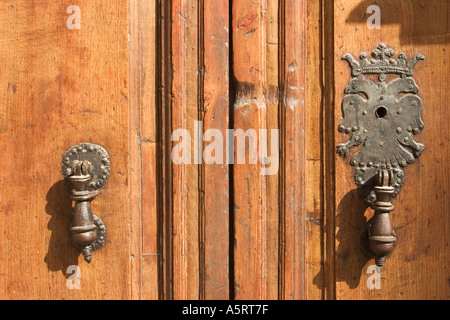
x=382 y=117
x=86 y=168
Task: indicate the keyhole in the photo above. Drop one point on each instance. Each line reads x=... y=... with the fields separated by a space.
x=381 y=112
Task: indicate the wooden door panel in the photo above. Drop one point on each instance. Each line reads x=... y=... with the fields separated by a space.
x=61 y=87
x=228 y=231
x=416 y=269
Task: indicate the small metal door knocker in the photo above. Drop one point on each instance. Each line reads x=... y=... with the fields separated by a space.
x=86 y=167
x=383 y=117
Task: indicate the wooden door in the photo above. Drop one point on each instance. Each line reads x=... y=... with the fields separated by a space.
x=418 y=266
x=168 y=88
x=64 y=81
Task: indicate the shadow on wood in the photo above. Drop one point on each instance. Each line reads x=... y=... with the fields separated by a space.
x=350 y=221
x=413 y=29
x=61 y=254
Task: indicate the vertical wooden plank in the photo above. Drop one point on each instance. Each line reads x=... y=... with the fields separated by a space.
x=135 y=152
x=250 y=187
x=294 y=169
x=272 y=119
x=185 y=176
x=148 y=138
x=314 y=197
x=215 y=115
x=143 y=135
x=415 y=269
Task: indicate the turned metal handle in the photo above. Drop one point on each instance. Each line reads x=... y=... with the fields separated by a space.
x=86 y=167
x=380 y=238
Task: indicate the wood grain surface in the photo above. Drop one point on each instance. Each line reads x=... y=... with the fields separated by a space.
x=136 y=71
x=61 y=87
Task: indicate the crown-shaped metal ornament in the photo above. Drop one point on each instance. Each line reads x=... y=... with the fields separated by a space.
x=382 y=117
x=382 y=63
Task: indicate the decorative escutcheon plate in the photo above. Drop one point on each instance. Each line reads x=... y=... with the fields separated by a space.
x=96 y=155
x=381 y=116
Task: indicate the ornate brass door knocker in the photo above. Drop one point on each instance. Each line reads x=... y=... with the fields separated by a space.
x=86 y=167
x=383 y=117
